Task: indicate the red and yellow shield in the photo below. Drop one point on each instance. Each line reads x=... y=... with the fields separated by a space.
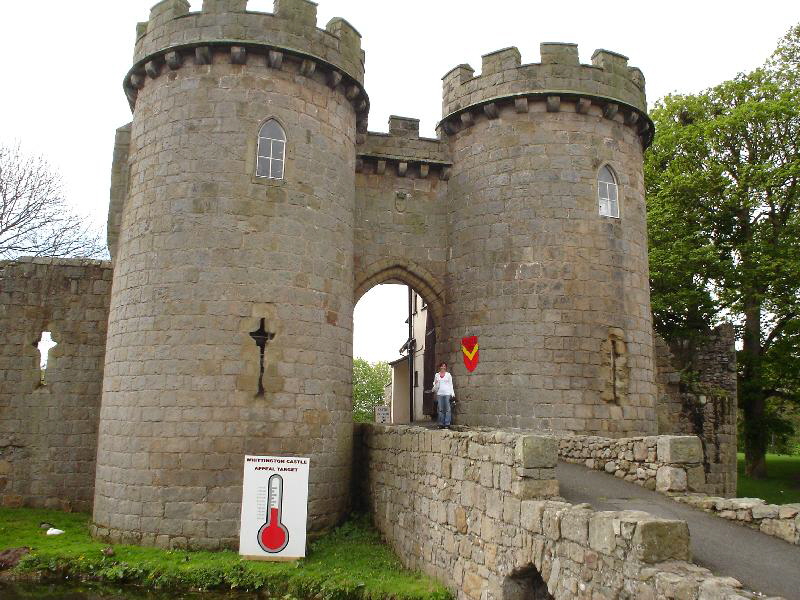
x=469 y=348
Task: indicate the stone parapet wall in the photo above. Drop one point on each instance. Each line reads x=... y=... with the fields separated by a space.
x=665 y=463
x=403 y=144
x=48 y=431
x=696 y=391
x=462 y=506
x=224 y=32
x=608 y=83
x=778 y=520
x=292 y=26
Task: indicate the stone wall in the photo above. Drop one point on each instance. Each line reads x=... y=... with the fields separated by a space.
x=696 y=390
x=468 y=508
x=778 y=520
x=48 y=432
x=401 y=212
x=120 y=171
x=666 y=463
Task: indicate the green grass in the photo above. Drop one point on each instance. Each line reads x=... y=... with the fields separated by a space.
x=348 y=563
x=783 y=485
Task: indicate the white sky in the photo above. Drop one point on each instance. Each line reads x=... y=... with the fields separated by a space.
x=63 y=64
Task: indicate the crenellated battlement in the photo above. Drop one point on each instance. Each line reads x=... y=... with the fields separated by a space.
x=619 y=90
x=403 y=152
x=173 y=36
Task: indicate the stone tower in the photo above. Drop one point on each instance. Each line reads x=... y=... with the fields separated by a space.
x=557 y=294
x=211 y=260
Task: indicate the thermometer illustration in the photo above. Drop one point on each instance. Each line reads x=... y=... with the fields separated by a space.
x=273 y=535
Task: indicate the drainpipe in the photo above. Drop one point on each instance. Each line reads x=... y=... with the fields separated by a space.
x=411 y=346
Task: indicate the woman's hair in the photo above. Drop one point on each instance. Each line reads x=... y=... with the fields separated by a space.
x=442 y=363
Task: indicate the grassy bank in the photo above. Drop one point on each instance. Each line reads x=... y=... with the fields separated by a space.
x=783 y=485
x=350 y=562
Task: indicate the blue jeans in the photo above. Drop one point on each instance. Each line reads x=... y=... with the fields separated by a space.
x=445 y=411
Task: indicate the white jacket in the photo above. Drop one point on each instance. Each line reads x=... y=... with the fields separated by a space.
x=443 y=386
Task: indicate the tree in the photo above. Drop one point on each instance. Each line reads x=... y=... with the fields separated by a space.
x=723 y=196
x=35 y=219
x=369 y=381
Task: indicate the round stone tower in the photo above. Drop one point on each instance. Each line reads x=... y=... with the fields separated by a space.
x=230 y=329
x=555 y=289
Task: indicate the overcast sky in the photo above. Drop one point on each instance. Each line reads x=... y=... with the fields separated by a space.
x=63 y=63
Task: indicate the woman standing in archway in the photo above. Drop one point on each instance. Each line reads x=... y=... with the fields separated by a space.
x=445 y=394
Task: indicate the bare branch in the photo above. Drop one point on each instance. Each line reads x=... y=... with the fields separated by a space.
x=35 y=219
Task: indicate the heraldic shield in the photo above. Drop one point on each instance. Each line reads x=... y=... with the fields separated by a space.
x=469 y=348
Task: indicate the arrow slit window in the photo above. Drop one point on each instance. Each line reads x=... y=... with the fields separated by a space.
x=271 y=150
x=608 y=193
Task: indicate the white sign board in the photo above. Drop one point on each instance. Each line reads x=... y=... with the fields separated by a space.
x=274 y=507
x=382 y=414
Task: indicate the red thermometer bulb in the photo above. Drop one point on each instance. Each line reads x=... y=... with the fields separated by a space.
x=273 y=535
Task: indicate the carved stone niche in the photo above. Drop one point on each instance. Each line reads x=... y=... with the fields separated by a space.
x=401 y=201
x=616 y=373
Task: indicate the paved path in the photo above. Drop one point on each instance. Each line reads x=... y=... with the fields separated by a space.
x=761 y=562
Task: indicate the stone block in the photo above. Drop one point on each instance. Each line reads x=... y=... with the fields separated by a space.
x=671 y=479
x=679 y=449
x=658 y=540
x=575 y=525
x=639 y=451
x=781 y=528
x=788 y=511
x=531 y=512
x=224 y=6
x=720 y=588
x=559 y=53
x=536 y=451
x=603 y=531
x=696 y=478
x=529 y=489
x=500 y=60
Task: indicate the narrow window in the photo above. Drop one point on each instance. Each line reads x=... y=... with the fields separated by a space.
x=44 y=345
x=271 y=150
x=607 y=193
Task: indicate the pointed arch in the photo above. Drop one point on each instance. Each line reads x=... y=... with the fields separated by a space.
x=409 y=273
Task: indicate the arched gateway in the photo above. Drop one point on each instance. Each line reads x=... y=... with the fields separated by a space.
x=251 y=208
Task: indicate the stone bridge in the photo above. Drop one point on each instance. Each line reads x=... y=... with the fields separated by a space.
x=480 y=511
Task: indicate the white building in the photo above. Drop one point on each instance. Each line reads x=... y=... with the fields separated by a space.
x=422 y=345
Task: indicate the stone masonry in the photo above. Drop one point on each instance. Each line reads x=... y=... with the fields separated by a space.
x=778 y=520
x=449 y=503
x=207 y=252
x=696 y=386
x=48 y=433
x=668 y=463
x=495 y=223
x=535 y=272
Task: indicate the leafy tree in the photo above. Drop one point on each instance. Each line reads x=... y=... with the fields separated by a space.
x=35 y=219
x=723 y=194
x=369 y=381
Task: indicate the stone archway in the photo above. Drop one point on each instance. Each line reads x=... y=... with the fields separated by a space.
x=526 y=584
x=431 y=292
x=409 y=273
